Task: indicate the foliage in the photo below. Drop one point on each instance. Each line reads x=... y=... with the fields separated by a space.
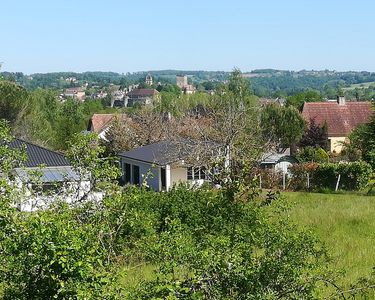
x=86 y=155
x=13 y=101
x=265 y=83
x=283 y=125
x=202 y=244
x=353 y=175
x=39 y=116
x=363 y=142
x=311 y=154
x=301 y=173
x=52 y=254
x=299 y=99
x=235 y=126
x=315 y=135
x=270 y=179
x=209 y=247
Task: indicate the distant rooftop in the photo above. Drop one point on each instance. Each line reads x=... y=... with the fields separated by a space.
x=100 y=122
x=143 y=93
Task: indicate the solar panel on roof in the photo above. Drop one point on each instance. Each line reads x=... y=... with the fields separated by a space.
x=49 y=174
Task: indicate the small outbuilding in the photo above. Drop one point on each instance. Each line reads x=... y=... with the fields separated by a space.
x=278 y=161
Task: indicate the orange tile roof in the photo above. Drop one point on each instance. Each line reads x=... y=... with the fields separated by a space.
x=99 y=122
x=340 y=119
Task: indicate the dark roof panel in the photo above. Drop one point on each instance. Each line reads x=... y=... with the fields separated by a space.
x=158 y=153
x=39 y=156
x=171 y=151
x=49 y=174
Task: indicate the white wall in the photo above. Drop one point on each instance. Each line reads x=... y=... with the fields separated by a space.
x=178 y=175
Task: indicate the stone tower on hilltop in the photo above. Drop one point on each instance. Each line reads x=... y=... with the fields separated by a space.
x=181 y=81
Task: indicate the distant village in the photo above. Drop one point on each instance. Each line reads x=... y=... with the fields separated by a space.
x=124 y=97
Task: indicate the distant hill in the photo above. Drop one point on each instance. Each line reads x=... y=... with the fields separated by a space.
x=264 y=82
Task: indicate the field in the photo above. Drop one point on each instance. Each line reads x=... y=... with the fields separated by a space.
x=345 y=223
x=359 y=85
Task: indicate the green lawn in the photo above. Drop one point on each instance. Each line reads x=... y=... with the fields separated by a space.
x=345 y=223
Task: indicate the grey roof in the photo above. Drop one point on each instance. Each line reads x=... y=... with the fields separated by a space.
x=37 y=155
x=275 y=157
x=167 y=151
x=161 y=153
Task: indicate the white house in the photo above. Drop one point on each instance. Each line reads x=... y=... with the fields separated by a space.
x=52 y=172
x=160 y=166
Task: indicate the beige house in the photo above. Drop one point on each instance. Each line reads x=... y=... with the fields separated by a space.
x=142 y=96
x=76 y=93
x=340 y=116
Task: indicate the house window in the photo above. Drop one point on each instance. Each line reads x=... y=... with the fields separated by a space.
x=196 y=173
x=136 y=179
x=190 y=173
x=127 y=173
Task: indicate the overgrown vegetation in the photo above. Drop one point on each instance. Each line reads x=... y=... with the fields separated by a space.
x=345 y=223
x=329 y=176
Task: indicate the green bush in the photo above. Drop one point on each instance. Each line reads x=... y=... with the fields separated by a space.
x=353 y=176
x=201 y=244
x=312 y=154
x=300 y=173
x=53 y=254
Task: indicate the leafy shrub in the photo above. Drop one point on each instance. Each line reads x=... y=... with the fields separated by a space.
x=312 y=154
x=270 y=178
x=53 y=254
x=300 y=175
x=353 y=176
x=209 y=247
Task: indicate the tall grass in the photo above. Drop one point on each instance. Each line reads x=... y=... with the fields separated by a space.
x=345 y=223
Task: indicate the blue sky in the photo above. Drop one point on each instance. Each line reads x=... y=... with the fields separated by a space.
x=128 y=36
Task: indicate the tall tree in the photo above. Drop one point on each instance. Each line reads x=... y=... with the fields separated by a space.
x=284 y=126
x=362 y=141
x=297 y=100
x=315 y=135
x=13 y=101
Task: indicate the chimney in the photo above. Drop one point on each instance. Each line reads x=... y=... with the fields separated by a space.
x=341 y=100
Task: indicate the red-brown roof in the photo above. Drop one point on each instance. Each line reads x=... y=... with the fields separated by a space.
x=341 y=119
x=99 y=122
x=143 y=93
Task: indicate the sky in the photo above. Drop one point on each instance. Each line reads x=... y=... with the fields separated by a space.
x=128 y=36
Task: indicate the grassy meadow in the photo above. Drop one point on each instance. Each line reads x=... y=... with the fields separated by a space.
x=359 y=85
x=345 y=223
